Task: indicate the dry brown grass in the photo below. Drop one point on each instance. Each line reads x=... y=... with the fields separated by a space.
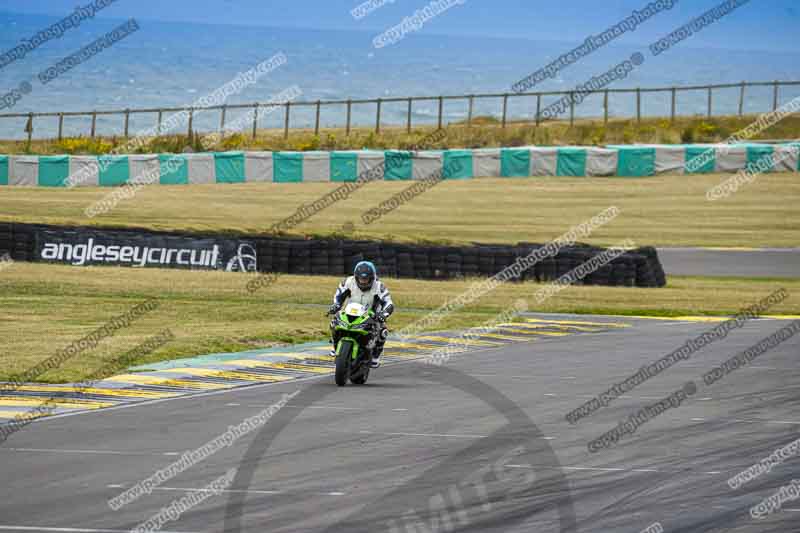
x=659 y=211
x=43 y=308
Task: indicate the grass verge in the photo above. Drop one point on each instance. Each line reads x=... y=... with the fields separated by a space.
x=43 y=308
x=658 y=211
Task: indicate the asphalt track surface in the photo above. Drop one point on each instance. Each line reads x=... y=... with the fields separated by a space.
x=482 y=437
x=766 y=263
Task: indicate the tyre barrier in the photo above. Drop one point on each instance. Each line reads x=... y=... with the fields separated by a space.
x=639 y=267
x=16 y=242
x=337 y=257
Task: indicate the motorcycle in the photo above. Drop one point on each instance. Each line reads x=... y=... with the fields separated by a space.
x=355 y=329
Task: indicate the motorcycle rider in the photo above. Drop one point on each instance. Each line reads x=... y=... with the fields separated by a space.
x=365 y=288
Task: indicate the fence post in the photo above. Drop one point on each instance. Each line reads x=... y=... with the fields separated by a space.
x=60 y=125
x=378 y=118
x=349 y=108
x=605 y=107
x=222 y=119
x=316 y=122
x=775 y=96
x=741 y=99
x=158 y=125
x=674 y=104
x=29 y=128
x=191 y=122
x=127 y=121
x=286 y=121
x=538 y=108
x=408 y=117
x=441 y=108
x=469 y=111
x=505 y=108
x=710 y=102
x=255 y=120
x=94 y=123
x=571 y=108
x=638 y=104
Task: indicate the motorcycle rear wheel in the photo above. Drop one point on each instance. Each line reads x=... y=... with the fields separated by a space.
x=361 y=378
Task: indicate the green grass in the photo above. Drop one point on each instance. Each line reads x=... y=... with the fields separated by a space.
x=43 y=308
x=485 y=132
x=658 y=211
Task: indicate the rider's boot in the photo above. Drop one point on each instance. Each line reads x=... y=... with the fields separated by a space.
x=378 y=351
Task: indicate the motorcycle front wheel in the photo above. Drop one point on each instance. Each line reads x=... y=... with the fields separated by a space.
x=343 y=362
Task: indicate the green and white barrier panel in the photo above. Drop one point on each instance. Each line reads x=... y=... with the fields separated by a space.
x=296 y=167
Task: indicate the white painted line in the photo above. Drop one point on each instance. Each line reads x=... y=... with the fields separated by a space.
x=94 y=452
x=232 y=404
x=714 y=472
x=549 y=394
x=425 y=435
x=790 y=422
x=792 y=510
x=697 y=419
x=73 y=529
x=593 y=468
x=321 y=407
x=400 y=409
x=704 y=399
x=228 y=491
x=172 y=453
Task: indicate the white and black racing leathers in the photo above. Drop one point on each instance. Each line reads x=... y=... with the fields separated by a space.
x=376 y=298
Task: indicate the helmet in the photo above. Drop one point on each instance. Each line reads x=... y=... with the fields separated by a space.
x=365 y=275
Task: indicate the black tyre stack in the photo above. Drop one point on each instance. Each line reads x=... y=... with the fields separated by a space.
x=405 y=262
x=282 y=252
x=387 y=264
x=438 y=259
x=470 y=262
x=266 y=255
x=422 y=263
x=300 y=258
x=320 y=259
x=486 y=256
x=336 y=260
x=332 y=257
x=23 y=242
x=6 y=240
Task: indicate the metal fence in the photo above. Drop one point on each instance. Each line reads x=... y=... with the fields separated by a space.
x=534 y=98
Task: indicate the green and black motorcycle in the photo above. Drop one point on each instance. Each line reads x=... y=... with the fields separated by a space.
x=355 y=329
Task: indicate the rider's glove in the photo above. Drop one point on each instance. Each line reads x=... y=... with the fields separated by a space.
x=333 y=309
x=382 y=317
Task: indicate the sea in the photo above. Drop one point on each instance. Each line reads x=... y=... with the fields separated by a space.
x=173 y=64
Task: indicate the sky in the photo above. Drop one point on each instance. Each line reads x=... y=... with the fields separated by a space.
x=758 y=25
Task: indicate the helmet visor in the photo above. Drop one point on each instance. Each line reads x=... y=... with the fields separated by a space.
x=364 y=282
